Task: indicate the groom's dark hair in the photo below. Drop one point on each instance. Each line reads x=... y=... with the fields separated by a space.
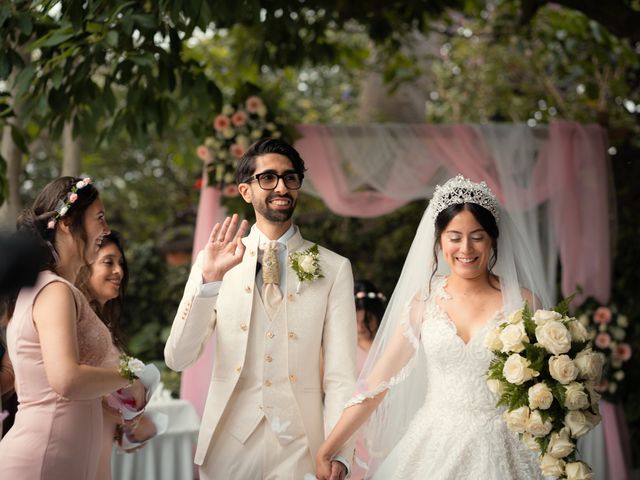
x=247 y=164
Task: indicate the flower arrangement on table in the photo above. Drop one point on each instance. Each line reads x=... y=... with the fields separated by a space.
x=545 y=373
x=235 y=128
x=608 y=330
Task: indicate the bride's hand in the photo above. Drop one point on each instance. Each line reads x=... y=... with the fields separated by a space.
x=323 y=465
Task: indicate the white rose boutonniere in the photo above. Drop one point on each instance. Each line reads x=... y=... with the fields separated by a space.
x=130 y=367
x=306 y=264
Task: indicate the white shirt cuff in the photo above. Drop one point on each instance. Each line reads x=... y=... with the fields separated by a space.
x=210 y=289
x=345 y=462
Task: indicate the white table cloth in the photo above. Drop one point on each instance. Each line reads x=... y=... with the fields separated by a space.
x=165 y=457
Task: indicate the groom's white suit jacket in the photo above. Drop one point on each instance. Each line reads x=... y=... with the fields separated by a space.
x=319 y=317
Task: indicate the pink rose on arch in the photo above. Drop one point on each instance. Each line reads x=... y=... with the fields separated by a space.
x=236 y=150
x=622 y=352
x=204 y=154
x=73 y=197
x=230 y=191
x=254 y=104
x=602 y=315
x=239 y=118
x=221 y=122
x=602 y=340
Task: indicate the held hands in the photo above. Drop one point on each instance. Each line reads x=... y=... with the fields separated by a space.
x=224 y=249
x=327 y=469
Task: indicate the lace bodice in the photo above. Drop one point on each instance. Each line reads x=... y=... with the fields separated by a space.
x=455 y=369
x=458 y=433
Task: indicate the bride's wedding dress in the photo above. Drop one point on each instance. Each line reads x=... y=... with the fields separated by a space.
x=458 y=433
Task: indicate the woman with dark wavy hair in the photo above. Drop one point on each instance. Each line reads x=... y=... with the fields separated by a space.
x=57 y=344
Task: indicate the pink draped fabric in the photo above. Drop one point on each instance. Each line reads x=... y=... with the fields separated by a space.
x=571 y=174
x=616 y=438
x=194 y=382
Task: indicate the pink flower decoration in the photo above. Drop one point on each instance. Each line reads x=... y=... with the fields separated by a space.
x=602 y=315
x=253 y=104
x=230 y=191
x=239 y=118
x=198 y=184
x=236 y=150
x=73 y=197
x=204 y=154
x=602 y=340
x=622 y=352
x=52 y=224
x=360 y=295
x=221 y=122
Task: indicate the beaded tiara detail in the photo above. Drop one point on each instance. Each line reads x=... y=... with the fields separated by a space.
x=462 y=190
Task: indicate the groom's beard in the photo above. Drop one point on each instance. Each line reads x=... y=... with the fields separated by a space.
x=280 y=215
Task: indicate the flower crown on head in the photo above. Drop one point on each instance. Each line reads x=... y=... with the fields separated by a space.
x=362 y=294
x=458 y=190
x=64 y=205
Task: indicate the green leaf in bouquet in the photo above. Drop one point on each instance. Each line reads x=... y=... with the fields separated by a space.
x=563 y=307
x=514 y=396
x=559 y=393
x=536 y=355
x=529 y=324
x=496 y=366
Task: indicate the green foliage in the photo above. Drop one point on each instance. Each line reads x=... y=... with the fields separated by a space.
x=537 y=356
x=563 y=306
x=514 y=396
x=152 y=299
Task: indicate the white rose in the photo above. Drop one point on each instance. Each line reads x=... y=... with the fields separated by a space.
x=577 y=423
x=563 y=369
x=589 y=364
x=516 y=420
x=515 y=317
x=575 y=397
x=538 y=427
x=307 y=264
x=592 y=419
x=560 y=444
x=228 y=133
x=513 y=338
x=551 y=466
x=578 y=471
x=578 y=332
x=540 y=396
x=530 y=442
x=492 y=340
x=495 y=386
x=63 y=211
x=516 y=370
x=623 y=321
x=554 y=336
x=594 y=396
x=619 y=375
x=540 y=317
x=136 y=366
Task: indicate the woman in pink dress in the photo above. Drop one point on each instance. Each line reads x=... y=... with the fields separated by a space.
x=57 y=344
x=370 y=305
x=104 y=283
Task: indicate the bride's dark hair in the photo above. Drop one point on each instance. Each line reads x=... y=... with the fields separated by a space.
x=34 y=220
x=483 y=217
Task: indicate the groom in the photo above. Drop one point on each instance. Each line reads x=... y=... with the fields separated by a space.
x=285 y=348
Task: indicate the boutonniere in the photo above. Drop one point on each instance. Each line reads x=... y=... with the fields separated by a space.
x=306 y=264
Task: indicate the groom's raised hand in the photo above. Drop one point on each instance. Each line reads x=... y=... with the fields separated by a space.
x=224 y=249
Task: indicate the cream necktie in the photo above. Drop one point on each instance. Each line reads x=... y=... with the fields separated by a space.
x=271 y=294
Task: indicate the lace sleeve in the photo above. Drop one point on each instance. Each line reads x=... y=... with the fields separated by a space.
x=391 y=363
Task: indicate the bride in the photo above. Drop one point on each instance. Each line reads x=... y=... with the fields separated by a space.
x=422 y=394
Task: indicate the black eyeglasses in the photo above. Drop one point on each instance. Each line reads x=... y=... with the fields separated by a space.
x=269 y=180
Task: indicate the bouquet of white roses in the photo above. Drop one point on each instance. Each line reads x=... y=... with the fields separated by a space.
x=545 y=373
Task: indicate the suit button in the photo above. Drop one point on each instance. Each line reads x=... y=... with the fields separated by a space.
x=243 y=327
x=252 y=253
x=268 y=358
x=271 y=334
x=247 y=289
x=291 y=297
x=292 y=335
x=267 y=383
x=238 y=369
x=293 y=378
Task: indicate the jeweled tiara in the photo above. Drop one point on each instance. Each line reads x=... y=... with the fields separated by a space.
x=462 y=190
